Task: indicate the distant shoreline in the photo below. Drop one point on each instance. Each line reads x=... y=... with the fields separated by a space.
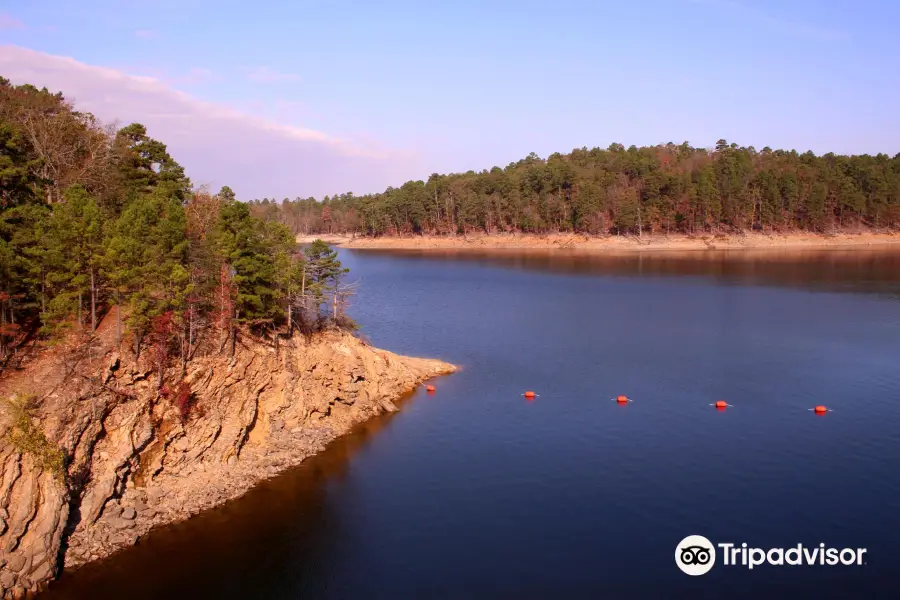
x=615 y=244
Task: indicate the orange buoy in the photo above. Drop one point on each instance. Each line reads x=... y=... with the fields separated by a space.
x=821 y=410
x=721 y=404
x=621 y=399
x=429 y=388
x=529 y=394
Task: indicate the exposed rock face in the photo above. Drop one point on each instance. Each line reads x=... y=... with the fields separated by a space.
x=136 y=464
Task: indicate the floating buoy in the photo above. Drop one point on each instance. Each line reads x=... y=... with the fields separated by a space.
x=529 y=394
x=622 y=399
x=721 y=404
x=429 y=388
x=821 y=410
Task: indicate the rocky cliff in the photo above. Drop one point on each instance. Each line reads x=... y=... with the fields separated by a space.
x=130 y=460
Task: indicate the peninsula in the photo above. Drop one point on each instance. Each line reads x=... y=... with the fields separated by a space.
x=161 y=348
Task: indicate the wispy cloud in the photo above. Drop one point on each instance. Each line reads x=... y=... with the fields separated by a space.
x=268 y=75
x=145 y=34
x=10 y=22
x=774 y=23
x=217 y=144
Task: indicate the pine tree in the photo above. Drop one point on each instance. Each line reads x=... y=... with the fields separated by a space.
x=72 y=256
x=323 y=273
x=240 y=242
x=145 y=258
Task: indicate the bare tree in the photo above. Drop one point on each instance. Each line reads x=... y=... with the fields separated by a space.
x=71 y=146
x=341 y=299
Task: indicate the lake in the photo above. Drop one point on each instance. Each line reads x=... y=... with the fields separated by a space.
x=476 y=492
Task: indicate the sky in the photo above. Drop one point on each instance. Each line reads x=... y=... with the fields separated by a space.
x=312 y=97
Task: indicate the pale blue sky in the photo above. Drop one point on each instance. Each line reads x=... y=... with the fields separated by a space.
x=450 y=86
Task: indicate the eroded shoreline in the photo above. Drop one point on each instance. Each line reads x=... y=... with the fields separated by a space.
x=619 y=244
x=259 y=414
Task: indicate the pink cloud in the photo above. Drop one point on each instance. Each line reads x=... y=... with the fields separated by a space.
x=216 y=144
x=145 y=34
x=10 y=22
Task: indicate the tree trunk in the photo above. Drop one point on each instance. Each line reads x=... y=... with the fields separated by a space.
x=290 y=307
x=303 y=284
x=184 y=352
x=640 y=225
x=2 y=335
x=233 y=327
x=93 y=301
x=303 y=314
x=118 y=319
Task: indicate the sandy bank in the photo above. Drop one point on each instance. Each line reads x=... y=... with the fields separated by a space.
x=613 y=244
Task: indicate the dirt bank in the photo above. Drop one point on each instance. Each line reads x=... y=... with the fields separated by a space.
x=613 y=244
x=135 y=464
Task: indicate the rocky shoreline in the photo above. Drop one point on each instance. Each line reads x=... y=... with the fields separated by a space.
x=136 y=464
x=127 y=519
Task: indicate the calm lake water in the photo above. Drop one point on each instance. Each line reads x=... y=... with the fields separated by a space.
x=475 y=492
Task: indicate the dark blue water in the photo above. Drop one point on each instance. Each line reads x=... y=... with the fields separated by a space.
x=475 y=492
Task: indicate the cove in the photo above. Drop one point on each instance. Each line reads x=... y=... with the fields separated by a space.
x=476 y=492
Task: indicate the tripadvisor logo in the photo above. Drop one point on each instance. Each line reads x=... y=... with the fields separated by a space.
x=696 y=555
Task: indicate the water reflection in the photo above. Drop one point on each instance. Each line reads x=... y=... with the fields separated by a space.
x=875 y=270
x=261 y=537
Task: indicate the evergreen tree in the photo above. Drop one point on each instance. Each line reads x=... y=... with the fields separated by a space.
x=145 y=258
x=662 y=188
x=146 y=165
x=241 y=242
x=72 y=256
x=323 y=273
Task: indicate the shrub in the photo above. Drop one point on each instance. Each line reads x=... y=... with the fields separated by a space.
x=28 y=438
x=182 y=397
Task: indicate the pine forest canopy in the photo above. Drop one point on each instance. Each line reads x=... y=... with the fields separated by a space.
x=92 y=217
x=658 y=189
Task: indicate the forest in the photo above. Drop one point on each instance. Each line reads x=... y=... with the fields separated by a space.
x=95 y=219
x=650 y=190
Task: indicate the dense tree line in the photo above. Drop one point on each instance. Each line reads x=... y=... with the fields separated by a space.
x=93 y=218
x=659 y=189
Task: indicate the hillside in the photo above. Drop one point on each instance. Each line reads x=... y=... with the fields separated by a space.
x=132 y=461
x=663 y=189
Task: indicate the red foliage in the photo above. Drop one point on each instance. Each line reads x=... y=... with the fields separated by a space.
x=163 y=327
x=182 y=397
